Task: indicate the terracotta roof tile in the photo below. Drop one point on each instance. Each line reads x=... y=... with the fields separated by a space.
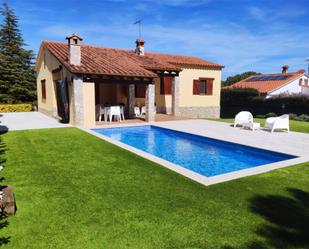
x=265 y=86
x=183 y=60
x=109 y=61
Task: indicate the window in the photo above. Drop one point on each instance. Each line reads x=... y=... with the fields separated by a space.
x=306 y=82
x=166 y=85
x=300 y=82
x=43 y=89
x=140 y=91
x=203 y=86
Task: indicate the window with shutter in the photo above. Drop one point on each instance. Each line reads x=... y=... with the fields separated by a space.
x=43 y=89
x=140 y=91
x=166 y=85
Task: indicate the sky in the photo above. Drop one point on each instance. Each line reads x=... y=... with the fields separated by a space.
x=242 y=35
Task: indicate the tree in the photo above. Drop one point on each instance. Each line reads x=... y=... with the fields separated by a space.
x=238 y=77
x=17 y=75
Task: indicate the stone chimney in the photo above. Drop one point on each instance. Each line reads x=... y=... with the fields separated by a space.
x=285 y=69
x=140 y=50
x=74 y=55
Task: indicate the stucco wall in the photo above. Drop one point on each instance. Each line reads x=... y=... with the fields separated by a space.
x=292 y=87
x=47 y=64
x=89 y=103
x=187 y=99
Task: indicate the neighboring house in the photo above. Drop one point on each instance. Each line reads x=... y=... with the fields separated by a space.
x=73 y=78
x=283 y=83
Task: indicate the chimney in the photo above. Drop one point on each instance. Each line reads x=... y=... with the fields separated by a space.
x=285 y=69
x=301 y=71
x=140 y=50
x=74 y=55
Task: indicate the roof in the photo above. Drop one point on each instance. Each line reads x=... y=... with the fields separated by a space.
x=121 y=62
x=266 y=83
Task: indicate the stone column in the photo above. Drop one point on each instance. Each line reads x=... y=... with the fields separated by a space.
x=131 y=99
x=175 y=96
x=78 y=100
x=150 y=102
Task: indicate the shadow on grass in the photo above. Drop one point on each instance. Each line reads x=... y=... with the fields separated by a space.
x=3 y=217
x=287 y=221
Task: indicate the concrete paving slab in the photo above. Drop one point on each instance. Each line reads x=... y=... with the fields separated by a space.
x=27 y=120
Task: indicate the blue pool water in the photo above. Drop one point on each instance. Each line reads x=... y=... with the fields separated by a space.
x=205 y=156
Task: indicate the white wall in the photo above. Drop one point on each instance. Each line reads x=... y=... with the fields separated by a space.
x=291 y=88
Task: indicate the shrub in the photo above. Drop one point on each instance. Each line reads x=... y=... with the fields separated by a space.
x=302 y=117
x=15 y=107
x=292 y=115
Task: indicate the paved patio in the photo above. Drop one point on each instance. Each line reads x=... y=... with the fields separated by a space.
x=27 y=120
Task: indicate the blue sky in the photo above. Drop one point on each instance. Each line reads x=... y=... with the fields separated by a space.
x=242 y=35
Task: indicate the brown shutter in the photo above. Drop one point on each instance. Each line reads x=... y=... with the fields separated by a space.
x=161 y=85
x=43 y=89
x=140 y=90
x=168 y=84
x=196 y=87
x=209 y=86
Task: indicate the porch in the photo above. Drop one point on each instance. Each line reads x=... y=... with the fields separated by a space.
x=127 y=92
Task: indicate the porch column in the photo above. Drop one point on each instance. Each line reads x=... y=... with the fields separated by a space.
x=175 y=96
x=78 y=100
x=131 y=99
x=150 y=102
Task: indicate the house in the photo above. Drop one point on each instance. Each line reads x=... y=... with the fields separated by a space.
x=73 y=78
x=283 y=83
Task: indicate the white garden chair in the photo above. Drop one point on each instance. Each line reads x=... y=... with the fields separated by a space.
x=243 y=117
x=143 y=112
x=100 y=111
x=278 y=123
x=122 y=112
x=114 y=111
x=137 y=111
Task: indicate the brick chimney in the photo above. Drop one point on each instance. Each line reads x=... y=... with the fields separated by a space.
x=140 y=50
x=285 y=69
x=74 y=55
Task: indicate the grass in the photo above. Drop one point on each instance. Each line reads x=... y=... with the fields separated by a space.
x=74 y=190
x=299 y=126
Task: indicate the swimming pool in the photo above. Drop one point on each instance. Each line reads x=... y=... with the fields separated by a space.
x=202 y=155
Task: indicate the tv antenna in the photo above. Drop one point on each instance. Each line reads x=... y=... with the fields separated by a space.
x=307 y=60
x=139 y=22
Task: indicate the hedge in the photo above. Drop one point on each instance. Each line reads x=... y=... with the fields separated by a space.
x=236 y=100
x=15 y=107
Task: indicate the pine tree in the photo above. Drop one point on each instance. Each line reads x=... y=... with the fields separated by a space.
x=17 y=75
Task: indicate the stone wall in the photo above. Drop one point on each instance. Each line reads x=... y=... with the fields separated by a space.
x=200 y=112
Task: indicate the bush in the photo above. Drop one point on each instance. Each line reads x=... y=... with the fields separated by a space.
x=271 y=114
x=302 y=117
x=15 y=107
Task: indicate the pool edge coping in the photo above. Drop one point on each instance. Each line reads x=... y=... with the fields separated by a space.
x=204 y=180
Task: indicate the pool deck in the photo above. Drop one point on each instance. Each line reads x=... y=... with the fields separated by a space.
x=293 y=143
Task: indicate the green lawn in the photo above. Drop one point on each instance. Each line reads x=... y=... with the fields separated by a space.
x=299 y=126
x=74 y=190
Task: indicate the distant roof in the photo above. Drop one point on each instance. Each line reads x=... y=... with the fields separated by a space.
x=266 y=83
x=109 y=61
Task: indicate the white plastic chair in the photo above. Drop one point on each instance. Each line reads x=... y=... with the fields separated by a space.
x=100 y=111
x=278 y=123
x=122 y=112
x=143 y=112
x=114 y=111
x=137 y=111
x=243 y=117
